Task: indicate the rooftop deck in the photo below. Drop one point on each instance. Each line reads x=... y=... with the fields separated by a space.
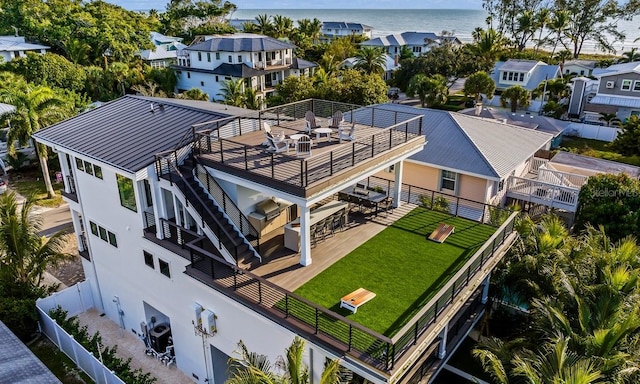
x=234 y=145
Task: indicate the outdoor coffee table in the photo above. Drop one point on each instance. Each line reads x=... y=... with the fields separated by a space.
x=323 y=131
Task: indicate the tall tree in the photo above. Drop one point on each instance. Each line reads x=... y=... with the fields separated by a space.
x=36 y=108
x=630 y=56
x=184 y=16
x=255 y=368
x=516 y=95
x=371 y=59
x=282 y=27
x=479 y=83
x=430 y=90
x=557 y=25
x=232 y=92
x=488 y=44
x=263 y=24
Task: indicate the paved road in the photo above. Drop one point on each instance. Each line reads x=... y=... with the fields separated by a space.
x=56 y=219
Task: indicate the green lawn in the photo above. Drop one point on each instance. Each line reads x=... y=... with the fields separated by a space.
x=401 y=266
x=26 y=187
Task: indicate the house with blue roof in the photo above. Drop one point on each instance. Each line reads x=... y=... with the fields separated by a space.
x=333 y=29
x=526 y=73
x=16 y=46
x=165 y=52
x=262 y=62
x=419 y=42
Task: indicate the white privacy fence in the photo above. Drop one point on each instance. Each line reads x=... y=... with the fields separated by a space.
x=591 y=131
x=75 y=299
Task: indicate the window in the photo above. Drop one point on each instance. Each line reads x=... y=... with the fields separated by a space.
x=582 y=72
x=504 y=75
x=199 y=56
x=448 y=180
x=521 y=77
x=217 y=55
x=501 y=185
x=148 y=259
x=164 y=268
x=147 y=193
x=202 y=83
x=510 y=76
x=94 y=228
x=188 y=75
x=88 y=167
x=79 y=164
x=97 y=171
x=209 y=56
x=230 y=59
x=626 y=85
x=239 y=59
x=216 y=79
x=127 y=193
x=417 y=49
x=103 y=233
x=112 y=239
x=636 y=86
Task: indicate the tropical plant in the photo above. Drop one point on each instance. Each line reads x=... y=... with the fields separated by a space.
x=252 y=367
x=516 y=95
x=195 y=94
x=232 y=92
x=488 y=44
x=35 y=108
x=478 y=84
x=251 y=99
x=609 y=118
x=430 y=90
x=628 y=140
x=630 y=56
x=263 y=24
x=556 y=89
x=282 y=27
x=557 y=25
x=370 y=59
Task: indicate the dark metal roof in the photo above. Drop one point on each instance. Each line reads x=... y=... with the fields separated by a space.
x=18 y=364
x=237 y=70
x=241 y=42
x=302 y=64
x=125 y=133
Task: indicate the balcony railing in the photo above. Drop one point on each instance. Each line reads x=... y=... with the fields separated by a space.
x=551 y=195
x=370 y=347
x=72 y=194
x=213 y=141
x=561 y=178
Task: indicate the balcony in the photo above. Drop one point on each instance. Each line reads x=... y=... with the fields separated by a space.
x=72 y=194
x=541 y=192
x=234 y=145
x=391 y=333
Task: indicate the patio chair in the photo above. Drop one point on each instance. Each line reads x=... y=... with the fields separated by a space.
x=338 y=220
x=310 y=120
x=303 y=146
x=277 y=146
x=269 y=133
x=345 y=133
x=336 y=120
x=386 y=205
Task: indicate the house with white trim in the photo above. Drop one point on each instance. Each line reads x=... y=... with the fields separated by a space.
x=526 y=73
x=165 y=51
x=16 y=46
x=188 y=224
x=418 y=42
x=261 y=62
x=333 y=29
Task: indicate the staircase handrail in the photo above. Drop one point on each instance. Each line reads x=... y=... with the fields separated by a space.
x=244 y=219
x=203 y=206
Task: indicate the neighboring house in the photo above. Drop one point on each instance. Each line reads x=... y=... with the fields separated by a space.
x=238 y=24
x=578 y=67
x=179 y=213
x=165 y=52
x=15 y=46
x=418 y=42
x=391 y=64
x=616 y=90
x=333 y=29
x=526 y=73
x=261 y=62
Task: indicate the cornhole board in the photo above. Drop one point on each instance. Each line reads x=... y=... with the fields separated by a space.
x=441 y=233
x=355 y=299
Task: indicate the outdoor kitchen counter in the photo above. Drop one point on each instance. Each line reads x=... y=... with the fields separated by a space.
x=292 y=229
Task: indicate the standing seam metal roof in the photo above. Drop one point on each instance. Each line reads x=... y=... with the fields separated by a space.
x=125 y=133
x=241 y=42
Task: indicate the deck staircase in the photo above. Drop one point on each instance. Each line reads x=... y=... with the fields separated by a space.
x=228 y=236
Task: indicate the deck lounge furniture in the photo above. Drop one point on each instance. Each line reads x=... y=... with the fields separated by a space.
x=310 y=120
x=441 y=233
x=355 y=299
x=277 y=146
x=269 y=133
x=303 y=146
x=345 y=133
x=336 y=120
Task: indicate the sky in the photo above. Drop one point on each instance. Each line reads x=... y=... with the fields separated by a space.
x=319 y=4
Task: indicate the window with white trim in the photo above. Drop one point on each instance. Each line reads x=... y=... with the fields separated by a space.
x=636 y=86
x=448 y=180
x=626 y=85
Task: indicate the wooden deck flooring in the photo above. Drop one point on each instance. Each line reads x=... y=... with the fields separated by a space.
x=282 y=267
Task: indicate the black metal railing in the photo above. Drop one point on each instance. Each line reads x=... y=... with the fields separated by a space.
x=228 y=206
x=176 y=234
x=368 y=346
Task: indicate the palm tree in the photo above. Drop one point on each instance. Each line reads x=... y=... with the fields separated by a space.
x=516 y=95
x=557 y=25
x=479 y=83
x=35 y=108
x=608 y=118
x=489 y=44
x=263 y=24
x=630 y=56
x=24 y=254
x=195 y=94
x=233 y=92
x=541 y=21
x=251 y=99
x=370 y=59
x=556 y=88
x=77 y=51
x=282 y=26
x=255 y=368
x=430 y=90
x=562 y=57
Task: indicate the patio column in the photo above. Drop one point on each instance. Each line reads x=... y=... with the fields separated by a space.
x=485 y=289
x=176 y=210
x=305 y=235
x=185 y=217
x=77 y=229
x=159 y=205
x=397 y=186
x=442 y=348
x=64 y=165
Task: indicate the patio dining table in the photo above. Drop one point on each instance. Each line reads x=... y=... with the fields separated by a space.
x=360 y=195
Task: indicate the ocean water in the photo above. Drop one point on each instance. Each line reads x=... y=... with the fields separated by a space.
x=461 y=22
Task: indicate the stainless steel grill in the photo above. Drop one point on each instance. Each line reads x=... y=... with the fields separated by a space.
x=269 y=208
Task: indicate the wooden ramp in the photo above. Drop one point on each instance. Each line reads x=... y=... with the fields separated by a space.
x=355 y=299
x=441 y=233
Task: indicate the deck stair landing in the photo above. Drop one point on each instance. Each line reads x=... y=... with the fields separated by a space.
x=235 y=243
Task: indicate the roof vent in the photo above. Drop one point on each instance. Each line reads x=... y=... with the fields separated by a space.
x=152 y=108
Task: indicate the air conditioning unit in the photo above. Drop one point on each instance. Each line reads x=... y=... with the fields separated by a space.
x=611 y=84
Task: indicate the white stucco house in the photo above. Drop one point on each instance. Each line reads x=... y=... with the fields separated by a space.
x=418 y=42
x=260 y=61
x=165 y=51
x=333 y=29
x=183 y=214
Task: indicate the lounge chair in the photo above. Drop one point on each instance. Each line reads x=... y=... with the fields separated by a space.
x=345 y=133
x=336 y=120
x=269 y=133
x=310 y=120
x=303 y=146
x=277 y=146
